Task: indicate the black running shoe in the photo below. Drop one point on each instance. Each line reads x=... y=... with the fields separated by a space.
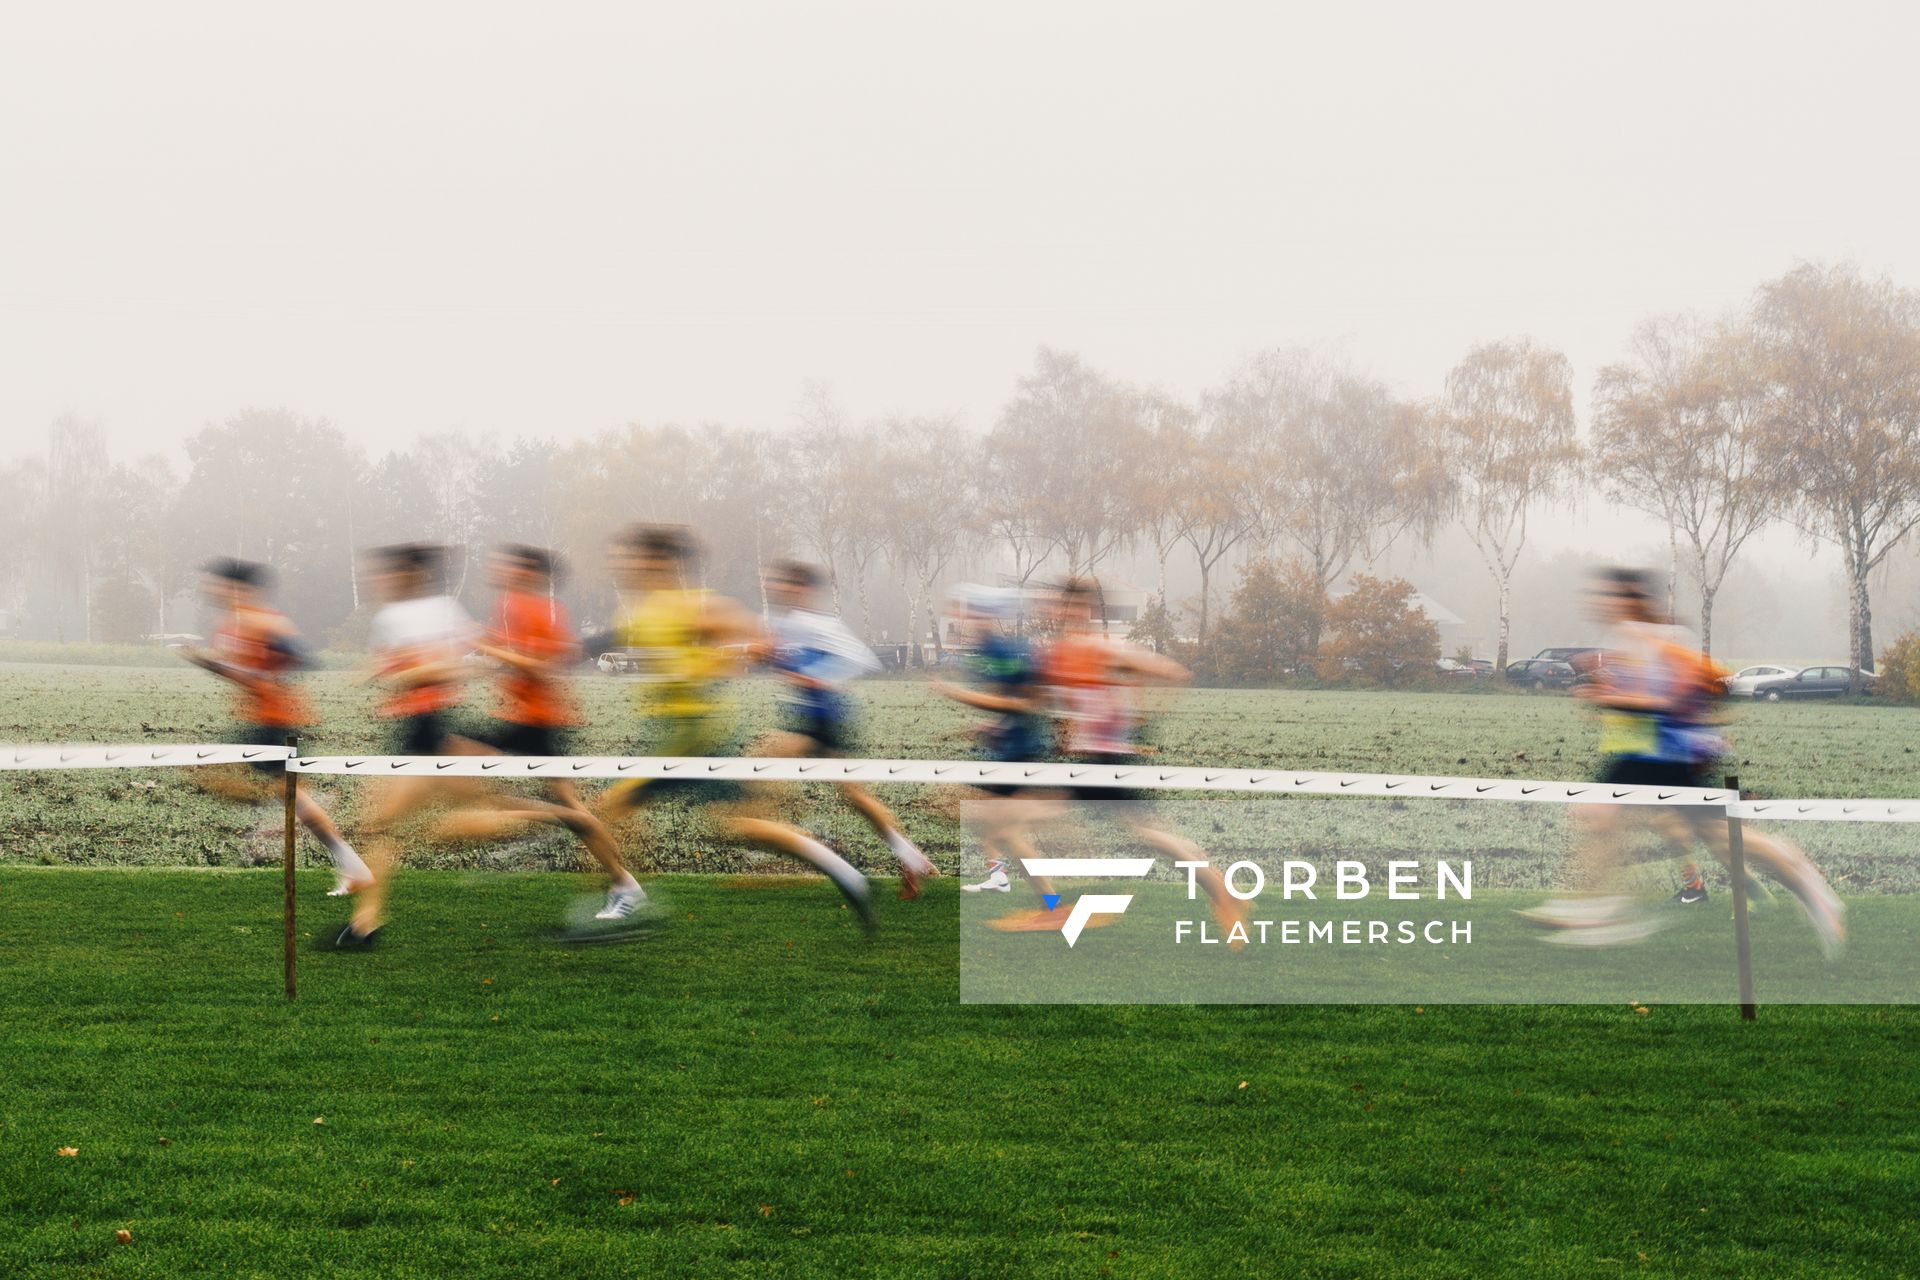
x=350 y=940
x=1691 y=894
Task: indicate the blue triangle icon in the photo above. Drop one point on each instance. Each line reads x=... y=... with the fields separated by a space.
x=1051 y=899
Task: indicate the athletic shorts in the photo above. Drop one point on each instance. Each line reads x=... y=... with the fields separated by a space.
x=686 y=736
x=511 y=739
x=1637 y=771
x=264 y=735
x=1127 y=795
x=424 y=734
x=825 y=735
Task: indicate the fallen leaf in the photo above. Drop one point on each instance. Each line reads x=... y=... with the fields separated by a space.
x=124 y=1236
x=319 y=1119
x=486 y=982
x=68 y=1151
x=766 y=1211
x=1241 y=1085
x=554 y=1183
x=166 y=1142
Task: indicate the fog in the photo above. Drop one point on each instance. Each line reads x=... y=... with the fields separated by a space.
x=503 y=220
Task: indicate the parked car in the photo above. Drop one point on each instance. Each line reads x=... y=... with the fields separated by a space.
x=1742 y=682
x=1814 y=682
x=1454 y=669
x=1542 y=673
x=1581 y=657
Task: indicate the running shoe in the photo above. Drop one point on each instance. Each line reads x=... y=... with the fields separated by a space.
x=621 y=903
x=996 y=882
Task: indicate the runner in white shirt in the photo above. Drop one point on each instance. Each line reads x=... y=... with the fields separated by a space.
x=816 y=655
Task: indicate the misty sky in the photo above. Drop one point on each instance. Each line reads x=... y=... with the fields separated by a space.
x=556 y=218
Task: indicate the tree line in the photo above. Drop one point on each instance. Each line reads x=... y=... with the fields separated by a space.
x=1801 y=407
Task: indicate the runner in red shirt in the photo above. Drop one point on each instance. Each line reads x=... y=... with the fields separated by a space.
x=256 y=650
x=534 y=645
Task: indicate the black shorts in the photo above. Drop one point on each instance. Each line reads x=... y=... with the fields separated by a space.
x=1636 y=771
x=1127 y=795
x=511 y=739
x=824 y=737
x=424 y=734
x=265 y=735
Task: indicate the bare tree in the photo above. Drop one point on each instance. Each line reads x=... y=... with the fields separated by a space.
x=817 y=499
x=1082 y=435
x=1508 y=430
x=1676 y=433
x=927 y=483
x=77 y=466
x=1841 y=354
x=1218 y=511
x=1339 y=470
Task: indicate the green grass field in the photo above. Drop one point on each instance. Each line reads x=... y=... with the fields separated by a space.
x=758 y=1091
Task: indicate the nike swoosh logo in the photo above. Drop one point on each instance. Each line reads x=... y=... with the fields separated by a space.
x=439 y=764
x=398 y=764
x=1484 y=787
x=202 y=754
x=1527 y=791
x=494 y=765
x=1349 y=782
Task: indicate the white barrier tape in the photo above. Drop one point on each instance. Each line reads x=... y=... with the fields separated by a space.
x=1826 y=810
x=1019 y=774
x=138 y=756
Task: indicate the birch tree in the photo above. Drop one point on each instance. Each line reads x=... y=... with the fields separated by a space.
x=1507 y=428
x=1841 y=355
x=1677 y=434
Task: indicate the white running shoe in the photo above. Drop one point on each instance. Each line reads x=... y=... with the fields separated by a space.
x=1617 y=933
x=996 y=882
x=1578 y=913
x=344 y=887
x=1825 y=912
x=621 y=903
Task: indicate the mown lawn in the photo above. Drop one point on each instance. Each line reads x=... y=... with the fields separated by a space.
x=757 y=1091
x=131 y=818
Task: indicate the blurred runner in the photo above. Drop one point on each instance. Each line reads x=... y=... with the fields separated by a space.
x=1656 y=693
x=816 y=655
x=1094 y=681
x=419 y=642
x=689 y=639
x=1006 y=685
x=257 y=651
x=533 y=646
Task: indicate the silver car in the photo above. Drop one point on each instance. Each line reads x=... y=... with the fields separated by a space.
x=1742 y=682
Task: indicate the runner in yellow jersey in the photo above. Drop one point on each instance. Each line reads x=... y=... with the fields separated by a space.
x=688 y=641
